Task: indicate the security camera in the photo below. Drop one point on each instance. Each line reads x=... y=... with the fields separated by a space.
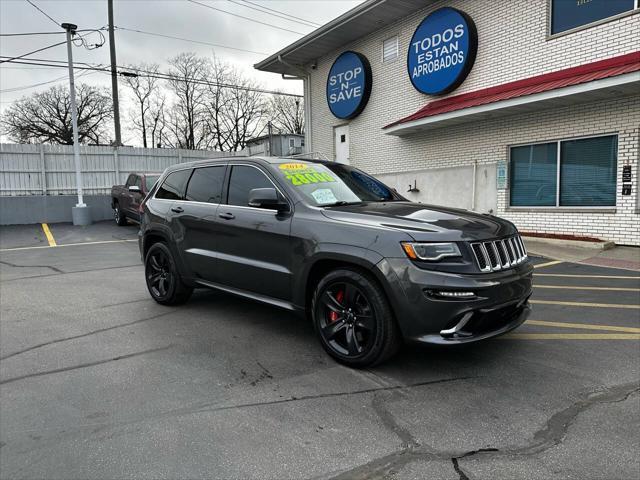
x=314 y=65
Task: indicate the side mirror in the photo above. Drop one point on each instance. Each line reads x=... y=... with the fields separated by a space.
x=267 y=198
x=135 y=189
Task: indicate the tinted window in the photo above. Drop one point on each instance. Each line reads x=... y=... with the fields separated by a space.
x=534 y=175
x=206 y=185
x=243 y=180
x=131 y=180
x=173 y=186
x=138 y=182
x=568 y=14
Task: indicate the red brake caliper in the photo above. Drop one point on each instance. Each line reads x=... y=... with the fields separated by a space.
x=333 y=316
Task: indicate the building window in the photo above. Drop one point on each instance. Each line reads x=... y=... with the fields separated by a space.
x=570 y=14
x=568 y=173
x=292 y=143
x=390 y=49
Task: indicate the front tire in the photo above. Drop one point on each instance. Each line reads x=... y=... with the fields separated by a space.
x=353 y=319
x=163 y=278
x=118 y=215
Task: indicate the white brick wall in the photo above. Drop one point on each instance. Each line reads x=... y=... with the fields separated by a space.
x=512 y=44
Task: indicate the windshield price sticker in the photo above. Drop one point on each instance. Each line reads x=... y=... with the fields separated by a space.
x=301 y=174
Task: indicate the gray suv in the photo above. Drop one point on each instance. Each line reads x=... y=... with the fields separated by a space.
x=370 y=269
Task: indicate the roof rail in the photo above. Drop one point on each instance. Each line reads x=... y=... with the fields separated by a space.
x=312 y=155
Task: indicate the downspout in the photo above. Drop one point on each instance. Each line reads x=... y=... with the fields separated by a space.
x=305 y=76
x=473 y=186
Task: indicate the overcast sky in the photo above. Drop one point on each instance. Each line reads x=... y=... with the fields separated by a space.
x=179 y=18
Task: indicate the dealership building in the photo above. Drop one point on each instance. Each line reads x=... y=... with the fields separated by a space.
x=529 y=110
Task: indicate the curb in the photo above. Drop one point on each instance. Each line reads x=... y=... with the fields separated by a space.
x=570 y=243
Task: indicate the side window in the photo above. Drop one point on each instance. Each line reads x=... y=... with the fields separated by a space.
x=206 y=185
x=173 y=186
x=131 y=179
x=243 y=180
x=138 y=182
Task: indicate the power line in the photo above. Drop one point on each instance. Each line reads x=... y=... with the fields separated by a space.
x=42 y=12
x=277 y=14
x=161 y=76
x=35 y=51
x=245 y=18
x=26 y=87
x=283 y=13
x=22 y=34
x=189 y=40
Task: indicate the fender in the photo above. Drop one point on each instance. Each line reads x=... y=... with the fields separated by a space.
x=367 y=259
x=167 y=235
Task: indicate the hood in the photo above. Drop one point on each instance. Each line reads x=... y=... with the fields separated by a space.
x=424 y=222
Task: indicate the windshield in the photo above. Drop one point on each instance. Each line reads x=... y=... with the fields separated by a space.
x=334 y=184
x=150 y=181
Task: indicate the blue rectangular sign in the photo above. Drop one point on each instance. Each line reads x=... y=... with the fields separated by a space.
x=568 y=14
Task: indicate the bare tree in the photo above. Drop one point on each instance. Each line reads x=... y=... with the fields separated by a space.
x=188 y=119
x=144 y=89
x=45 y=117
x=157 y=121
x=287 y=113
x=235 y=110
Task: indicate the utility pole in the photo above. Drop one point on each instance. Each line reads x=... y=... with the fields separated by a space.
x=270 y=138
x=114 y=76
x=80 y=213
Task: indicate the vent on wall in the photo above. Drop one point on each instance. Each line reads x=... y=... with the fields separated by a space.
x=390 y=49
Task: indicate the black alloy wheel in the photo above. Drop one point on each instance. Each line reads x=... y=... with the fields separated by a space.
x=118 y=216
x=353 y=319
x=163 y=280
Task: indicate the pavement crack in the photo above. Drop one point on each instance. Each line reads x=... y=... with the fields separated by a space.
x=389 y=421
x=83 y=365
x=81 y=335
x=58 y=271
x=209 y=408
x=14 y=265
x=459 y=471
x=556 y=428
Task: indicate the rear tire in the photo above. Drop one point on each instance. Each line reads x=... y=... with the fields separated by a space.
x=163 y=278
x=353 y=319
x=118 y=215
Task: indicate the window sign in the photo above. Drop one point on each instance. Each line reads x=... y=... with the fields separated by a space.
x=569 y=14
x=442 y=51
x=349 y=85
x=501 y=175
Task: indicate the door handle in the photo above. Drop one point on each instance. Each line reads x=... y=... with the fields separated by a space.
x=227 y=216
x=177 y=209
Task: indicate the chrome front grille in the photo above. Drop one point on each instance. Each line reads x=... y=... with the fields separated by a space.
x=495 y=255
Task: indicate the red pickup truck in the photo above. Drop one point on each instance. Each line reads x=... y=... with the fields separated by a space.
x=125 y=199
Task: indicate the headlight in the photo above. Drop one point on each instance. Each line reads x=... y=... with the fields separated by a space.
x=430 y=252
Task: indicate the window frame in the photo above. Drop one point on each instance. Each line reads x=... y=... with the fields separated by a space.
x=227 y=183
x=163 y=178
x=395 y=37
x=557 y=207
x=193 y=170
x=552 y=36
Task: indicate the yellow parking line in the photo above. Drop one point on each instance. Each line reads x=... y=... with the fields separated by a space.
x=620 y=277
x=584 y=326
x=583 y=304
x=573 y=287
x=47 y=233
x=571 y=336
x=548 y=264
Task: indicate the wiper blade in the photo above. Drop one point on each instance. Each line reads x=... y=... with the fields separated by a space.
x=341 y=203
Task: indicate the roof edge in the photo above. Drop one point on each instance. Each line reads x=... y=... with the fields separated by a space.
x=319 y=32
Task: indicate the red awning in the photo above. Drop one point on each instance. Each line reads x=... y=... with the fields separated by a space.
x=542 y=83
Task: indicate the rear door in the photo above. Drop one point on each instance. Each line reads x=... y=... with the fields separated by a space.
x=125 y=197
x=198 y=221
x=253 y=243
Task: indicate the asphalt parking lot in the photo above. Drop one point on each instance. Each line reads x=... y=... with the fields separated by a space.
x=98 y=381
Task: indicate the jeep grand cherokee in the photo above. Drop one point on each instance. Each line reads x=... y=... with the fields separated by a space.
x=369 y=268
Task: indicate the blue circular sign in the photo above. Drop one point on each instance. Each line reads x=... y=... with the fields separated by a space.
x=349 y=85
x=442 y=51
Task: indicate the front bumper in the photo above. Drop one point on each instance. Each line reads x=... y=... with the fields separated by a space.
x=500 y=303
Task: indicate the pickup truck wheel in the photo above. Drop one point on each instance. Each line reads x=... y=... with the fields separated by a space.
x=118 y=215
x=353 y=319
x=162 y=276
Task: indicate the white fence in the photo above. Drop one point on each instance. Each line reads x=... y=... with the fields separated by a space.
x=50 y=169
